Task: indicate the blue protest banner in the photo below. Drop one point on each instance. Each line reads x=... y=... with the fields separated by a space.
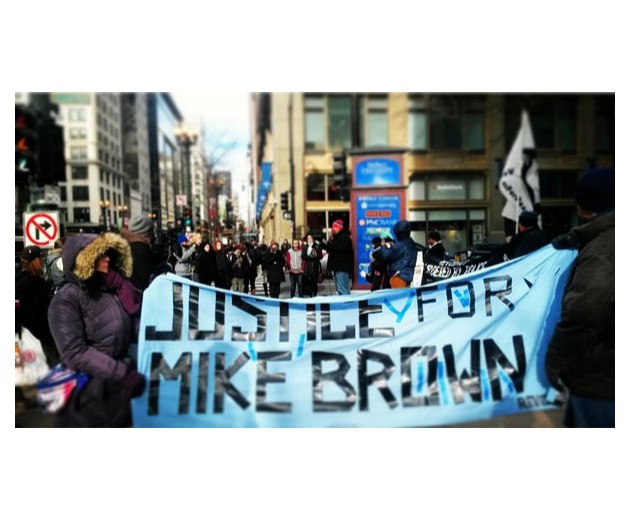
x=467 y=348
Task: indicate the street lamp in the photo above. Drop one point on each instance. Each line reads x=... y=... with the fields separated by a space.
x=105 y=204
x=122 y=211
x=186 y=138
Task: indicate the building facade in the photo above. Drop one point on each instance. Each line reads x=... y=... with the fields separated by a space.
x=453 y=148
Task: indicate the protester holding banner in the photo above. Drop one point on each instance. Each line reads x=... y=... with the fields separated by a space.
x=436 y=248
x=92 y=323
x=581 y=353
x=341 y=257
x=400 y=258
x=529 y=237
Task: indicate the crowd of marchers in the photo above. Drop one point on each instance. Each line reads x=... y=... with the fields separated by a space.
x=82 y=300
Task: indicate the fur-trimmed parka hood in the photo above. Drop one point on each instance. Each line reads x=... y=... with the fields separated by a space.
x=80 y=253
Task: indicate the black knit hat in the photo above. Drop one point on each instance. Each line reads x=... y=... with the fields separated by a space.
x=595 y=191
x=528 y=218
x=30 y=253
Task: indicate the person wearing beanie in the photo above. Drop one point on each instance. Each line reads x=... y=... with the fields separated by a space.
x=529 y=237
x=581 y=353
x=400 y=258
x=93 y=320
x=436 y=248
x=146 y=262
x=341 y=257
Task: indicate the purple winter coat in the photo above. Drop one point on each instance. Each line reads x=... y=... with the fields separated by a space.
x=93 y=332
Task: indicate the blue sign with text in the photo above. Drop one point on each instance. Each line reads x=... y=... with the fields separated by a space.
x=376 y=216
x=377 y=172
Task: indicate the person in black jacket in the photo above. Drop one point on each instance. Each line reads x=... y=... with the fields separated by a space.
x=32 y=298
x=341 y=259
x=206 y=261
x=529 y=237
x=436 y=248
x=378 y=268
x=275 y=262
x=223 y=277
x=312 y=267
x=146 y=262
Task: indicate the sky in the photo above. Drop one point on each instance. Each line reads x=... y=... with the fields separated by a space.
x=224 y=117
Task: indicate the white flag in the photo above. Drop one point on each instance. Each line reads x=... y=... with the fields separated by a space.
x=519 y=182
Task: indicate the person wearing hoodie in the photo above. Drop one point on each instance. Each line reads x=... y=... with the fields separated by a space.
x=92 y=322
x=401 y=257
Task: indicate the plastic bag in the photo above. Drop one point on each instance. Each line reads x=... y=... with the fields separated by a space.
x=56 y=387
x=30 y=360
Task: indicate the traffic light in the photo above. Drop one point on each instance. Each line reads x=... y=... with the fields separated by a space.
x=187 y=216
x=339 y=168
x=52 y=161
x=26 y=145
x=284 y=201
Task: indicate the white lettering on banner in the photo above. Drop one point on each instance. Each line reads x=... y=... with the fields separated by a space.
x=390 y=358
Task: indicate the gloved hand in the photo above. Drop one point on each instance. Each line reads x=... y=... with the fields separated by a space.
x=567 y=241
x=134 y=383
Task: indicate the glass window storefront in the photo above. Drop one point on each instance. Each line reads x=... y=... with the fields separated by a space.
x=460 y=228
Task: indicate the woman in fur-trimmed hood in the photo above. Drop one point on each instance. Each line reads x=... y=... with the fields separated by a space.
x=92 y=322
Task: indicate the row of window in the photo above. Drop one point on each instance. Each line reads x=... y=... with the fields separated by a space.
x=556 y=184
x=450 y=122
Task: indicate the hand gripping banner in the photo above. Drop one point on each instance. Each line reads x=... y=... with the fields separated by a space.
x=466 y=348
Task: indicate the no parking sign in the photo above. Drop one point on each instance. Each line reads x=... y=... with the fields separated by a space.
x=41 y=229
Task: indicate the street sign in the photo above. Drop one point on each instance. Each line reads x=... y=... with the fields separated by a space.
x=41 y=229
x=181 y=200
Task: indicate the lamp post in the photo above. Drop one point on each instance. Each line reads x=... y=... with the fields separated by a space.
x=122 y=211
x=105 y=204
x=185 y=139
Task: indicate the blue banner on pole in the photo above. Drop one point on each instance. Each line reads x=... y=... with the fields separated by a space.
x=464 y=349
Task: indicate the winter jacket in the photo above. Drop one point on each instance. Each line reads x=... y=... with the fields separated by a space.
x=527 y=242
x=312 y=266
x=145 y=261
x=401 y=258
x=186 y=262
x=93 y=332
x=581 y=352
x=295 y=263
x=437 y=251
x=275 y=262
x=341 y=254
x=206 y=264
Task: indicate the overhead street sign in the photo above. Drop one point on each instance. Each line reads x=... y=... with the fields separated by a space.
x=41 y=229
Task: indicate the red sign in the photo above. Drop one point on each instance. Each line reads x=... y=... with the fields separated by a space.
x=41 y=229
